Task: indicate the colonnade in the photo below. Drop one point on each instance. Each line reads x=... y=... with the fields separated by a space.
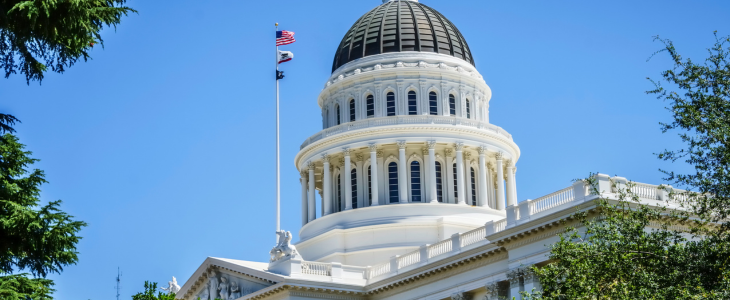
x=375 y=179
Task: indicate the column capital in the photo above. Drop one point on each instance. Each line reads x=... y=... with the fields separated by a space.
x=380 y=153
x=448 y=152
x=424 y=151
x=346 y=151
x=326 y=158
x=467 y=155
x=401 y=144
x=373 y=147
x=499 y=155
x=311 y=165
x=304 y=173
x=482 y=150
x=459 y=146
x=431 y=144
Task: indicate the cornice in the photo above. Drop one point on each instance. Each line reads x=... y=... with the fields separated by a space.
x=458 y=131
x=282 y=290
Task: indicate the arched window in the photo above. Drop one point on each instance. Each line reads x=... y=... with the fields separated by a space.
x=393 y=182
x=452 y=105
x=352 y=110
x=412 y=103
x=370 y=103
x=337 y=109
x=456 y=192
x=439 y=184
x=415 y=181
x=468 y=109
x=473 y=188
x=338 y=193
x=390 y=103
x=353 y=183
x=370 y=187
x=432 y=103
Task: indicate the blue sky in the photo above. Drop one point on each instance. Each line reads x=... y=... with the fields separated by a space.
x=164 y=142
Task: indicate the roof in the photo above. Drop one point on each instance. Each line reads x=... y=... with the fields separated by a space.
x=398 y=26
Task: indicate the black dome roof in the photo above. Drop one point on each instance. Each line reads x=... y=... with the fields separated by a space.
x=401 y=25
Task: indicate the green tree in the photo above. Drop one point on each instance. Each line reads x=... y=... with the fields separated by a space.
x=626 y=250
x=150 y=288
x=41 y=35
x=34 y=238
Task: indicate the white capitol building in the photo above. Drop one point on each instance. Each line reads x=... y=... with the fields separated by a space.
x=417 y=188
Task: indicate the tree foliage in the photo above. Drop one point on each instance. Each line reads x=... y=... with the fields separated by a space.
x=34 y=238
x=150 y=288
x=628 y=250
x=41 y=35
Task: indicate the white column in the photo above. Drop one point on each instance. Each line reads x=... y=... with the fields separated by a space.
x=460 y=173
x=482 y=176
x=448 y=182
x=342 y=187
x=512 y=199
x=432 y=172
x=326 y=185
x=361 y=180
x=305 y=205
x=467 y=179
x=382 y=184
x=348 y=180
x=311 y=200
x=500 y=182
x=373 y=174
x=402 y=172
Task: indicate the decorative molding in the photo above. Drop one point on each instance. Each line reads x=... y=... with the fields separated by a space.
x=380 y=153
x=311 y=165
x=400 y=64
x=325 y=158
x=401 y=144
x=373 y=147
x=499 y=155
x=414 y=156
x=346 y=151
x=459 y=146
x=467 y=156
x=431 y=144
x=424 y=151
x=460 y=296
x=359 y=157
x=448 y=152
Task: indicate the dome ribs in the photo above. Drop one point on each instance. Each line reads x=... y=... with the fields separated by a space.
x=397 y=26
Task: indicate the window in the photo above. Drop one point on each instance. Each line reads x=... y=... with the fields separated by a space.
x=439 y=185
x=468 y=109
x=393 y=182
x=415 y=181
x=452 y=105
x=353 y=183
x=432 y=103
x=338 y=193
x=337 y=108
x=390 y=103
x=412 y=103
x=352 y=110
x=456 y=192
x=370 y=106
x=370 y=187
x=473 y=188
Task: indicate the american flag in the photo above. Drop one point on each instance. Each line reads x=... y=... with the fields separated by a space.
x=284 y=37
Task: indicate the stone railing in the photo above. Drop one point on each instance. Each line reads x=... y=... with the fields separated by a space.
x=403 y=120
x=552 y=200
x=316 y=268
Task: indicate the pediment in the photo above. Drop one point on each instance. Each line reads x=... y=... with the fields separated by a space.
x=227 y=279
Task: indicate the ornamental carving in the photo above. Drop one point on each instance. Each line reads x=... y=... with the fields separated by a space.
x=359 y=157
x=460 y=296
x=499 y=155
x=373 y=147
x=481 y=150
x=346 y=151
x=424 y=151
x=326 y=158
x=467 y=155
x=341 y=161
x=283 y=248
x=311 y=165
x=448 y=152
x=459 y=146
x=380 y=153
x=401 y=144
x=413 y=156
x=431 y=144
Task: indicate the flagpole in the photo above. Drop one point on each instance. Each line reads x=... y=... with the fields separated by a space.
x=278 y=199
